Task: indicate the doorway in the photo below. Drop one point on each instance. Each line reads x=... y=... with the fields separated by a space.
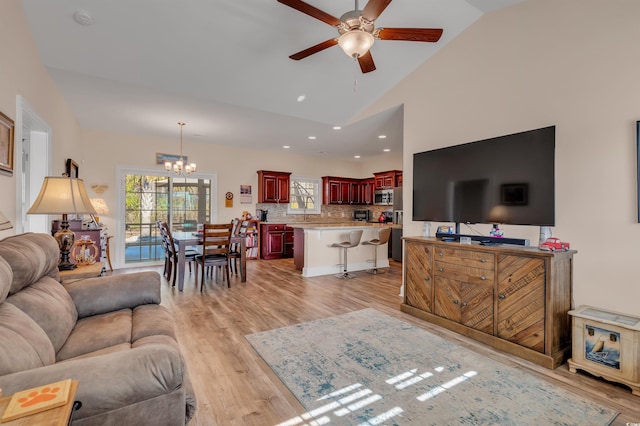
x=33 y=142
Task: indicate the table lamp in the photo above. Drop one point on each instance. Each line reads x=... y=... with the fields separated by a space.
x=63 y=195
x=101 y=209
x=5 y=223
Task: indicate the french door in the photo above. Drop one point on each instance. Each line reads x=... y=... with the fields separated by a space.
x=182 y=202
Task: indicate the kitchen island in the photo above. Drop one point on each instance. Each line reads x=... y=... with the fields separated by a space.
x=314 y=256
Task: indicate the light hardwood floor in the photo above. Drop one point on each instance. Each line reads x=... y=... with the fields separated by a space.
x=235 y=387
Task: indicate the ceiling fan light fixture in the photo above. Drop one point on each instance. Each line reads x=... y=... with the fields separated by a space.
x=356 y=43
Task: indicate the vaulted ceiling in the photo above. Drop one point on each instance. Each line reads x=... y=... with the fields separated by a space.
x=223 y=67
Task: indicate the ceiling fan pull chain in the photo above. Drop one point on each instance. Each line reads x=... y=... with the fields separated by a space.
x=355 y=75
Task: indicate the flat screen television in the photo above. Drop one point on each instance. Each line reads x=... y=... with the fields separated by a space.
x=507 y=179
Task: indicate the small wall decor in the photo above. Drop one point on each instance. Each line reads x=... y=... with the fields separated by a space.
x=99 y=189
x=71 y=168
x=245 y=194
x=228 y=199
x=163 y=158
x=6 y=145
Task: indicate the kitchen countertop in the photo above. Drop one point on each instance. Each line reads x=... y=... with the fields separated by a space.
x=350 y=225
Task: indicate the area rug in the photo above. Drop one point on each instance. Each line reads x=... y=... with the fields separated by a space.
x=367 y=368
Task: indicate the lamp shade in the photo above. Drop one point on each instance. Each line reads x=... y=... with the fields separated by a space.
x=62 y=195
x=356 y=43
x=5 y=223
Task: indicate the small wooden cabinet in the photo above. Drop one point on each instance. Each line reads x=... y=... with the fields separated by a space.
x=276 y=241
x=273 y=187
x=98 y=236
x=513 y=298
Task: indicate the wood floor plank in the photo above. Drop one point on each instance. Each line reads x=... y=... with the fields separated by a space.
x=234 y=386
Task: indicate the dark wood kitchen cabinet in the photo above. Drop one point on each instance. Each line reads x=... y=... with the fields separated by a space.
x=388 y=179
x=276 y=241
x=337 y=190
x=273 y=187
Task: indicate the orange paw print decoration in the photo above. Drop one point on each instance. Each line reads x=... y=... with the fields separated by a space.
x=36 y=400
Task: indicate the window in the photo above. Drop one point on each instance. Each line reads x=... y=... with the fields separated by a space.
x=305 y=196
x=181 y=202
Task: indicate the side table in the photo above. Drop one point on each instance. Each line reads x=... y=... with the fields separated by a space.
x=83 y=271
x=59 y=416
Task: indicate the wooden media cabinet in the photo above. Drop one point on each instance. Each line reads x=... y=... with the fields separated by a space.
x=513 y=298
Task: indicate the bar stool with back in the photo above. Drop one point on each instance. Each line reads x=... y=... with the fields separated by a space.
x=354 y=241
x=383 y=238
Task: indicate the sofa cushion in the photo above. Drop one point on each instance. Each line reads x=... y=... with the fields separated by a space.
x=97 y=332
x=23 y=343
x=6 y=277
x=151 y=320
x=30 y=256
x=50 y=306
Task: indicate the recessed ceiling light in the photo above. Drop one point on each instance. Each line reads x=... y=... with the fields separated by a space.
x=337 y=127
x=356 y=156
x=83 y=17
x=382 y=136
x=301 y=98
x=286 y=146
x=386 y=150
x=312 y=137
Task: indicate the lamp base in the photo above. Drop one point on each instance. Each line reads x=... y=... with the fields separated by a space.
x=65 y=239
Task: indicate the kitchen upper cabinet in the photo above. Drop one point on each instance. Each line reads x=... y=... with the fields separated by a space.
x=387 y=179
x=367 y=188
x=336 y=190
x=273 y=187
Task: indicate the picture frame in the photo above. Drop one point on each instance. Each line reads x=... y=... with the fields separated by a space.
x=71 y=168
x=161 y=158
x=6 y=145
x=638 y=167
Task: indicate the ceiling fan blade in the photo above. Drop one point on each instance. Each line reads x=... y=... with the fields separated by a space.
x=311 y=11
x=374 y=8
x=366 y=62
x=411 y=34
x=314 y=49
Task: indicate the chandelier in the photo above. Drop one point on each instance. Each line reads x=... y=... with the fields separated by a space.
x=179 y=166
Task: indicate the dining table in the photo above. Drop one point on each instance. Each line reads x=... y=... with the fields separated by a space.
x=188 y=239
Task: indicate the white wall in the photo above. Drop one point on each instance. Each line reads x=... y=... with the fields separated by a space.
x=22 y=73
x=102 y=152
x=569 y=63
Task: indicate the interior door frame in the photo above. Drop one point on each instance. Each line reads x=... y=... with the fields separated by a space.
x=28 y=121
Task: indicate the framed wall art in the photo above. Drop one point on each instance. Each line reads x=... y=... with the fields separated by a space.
x=6 y=145
x=71 y=168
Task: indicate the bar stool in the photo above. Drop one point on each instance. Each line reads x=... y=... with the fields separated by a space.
x=354 y=240
x=383 y=238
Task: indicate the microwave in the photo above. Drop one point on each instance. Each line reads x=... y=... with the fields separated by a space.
x=383 y=197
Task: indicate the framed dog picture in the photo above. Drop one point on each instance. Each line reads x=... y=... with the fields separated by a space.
x=6 y=145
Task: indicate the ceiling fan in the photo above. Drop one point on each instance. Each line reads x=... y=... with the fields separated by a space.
x=357 y=31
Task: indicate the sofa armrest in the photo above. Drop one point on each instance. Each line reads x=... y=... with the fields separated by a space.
x=93 y=296
x=111 y=381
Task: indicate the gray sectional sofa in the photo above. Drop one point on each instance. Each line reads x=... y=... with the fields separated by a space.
x=109 y=333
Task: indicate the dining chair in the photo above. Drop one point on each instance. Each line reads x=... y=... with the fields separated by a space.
x=171 y=254
x=216 y=239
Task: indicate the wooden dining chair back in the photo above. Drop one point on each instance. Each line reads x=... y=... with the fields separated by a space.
x=216 y=239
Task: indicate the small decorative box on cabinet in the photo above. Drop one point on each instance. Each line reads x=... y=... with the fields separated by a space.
x=606 y=344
